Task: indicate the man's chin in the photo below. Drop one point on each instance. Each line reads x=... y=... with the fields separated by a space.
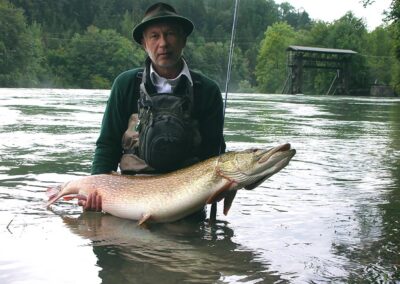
x=168 y=64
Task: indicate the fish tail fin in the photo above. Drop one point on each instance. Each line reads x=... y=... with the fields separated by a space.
x=53 y=193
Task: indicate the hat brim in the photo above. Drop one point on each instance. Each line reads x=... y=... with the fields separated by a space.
x=186 y=24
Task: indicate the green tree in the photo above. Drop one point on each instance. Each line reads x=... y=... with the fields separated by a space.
x=96 y=57
x=52 y=30
x=271 y=61
x=379 y=54
x=350 y=32
x=211 y=58
x=61 y=20
x=295 y=18
x=38 y=66
x=317 y=35
x=394 y=16
x=126 y=24
x=20 y=51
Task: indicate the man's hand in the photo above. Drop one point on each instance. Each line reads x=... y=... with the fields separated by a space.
x=90 y=203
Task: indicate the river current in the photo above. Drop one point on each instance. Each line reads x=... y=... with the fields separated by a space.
x=331 y=216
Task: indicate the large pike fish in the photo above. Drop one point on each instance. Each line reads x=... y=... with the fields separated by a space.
x=172 y=196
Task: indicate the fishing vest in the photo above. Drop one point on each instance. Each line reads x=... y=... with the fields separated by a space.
x=163 y=135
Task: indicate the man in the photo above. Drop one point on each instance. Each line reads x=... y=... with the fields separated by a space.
x=161 y=117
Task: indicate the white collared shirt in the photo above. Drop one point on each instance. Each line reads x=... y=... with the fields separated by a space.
x=164 y=85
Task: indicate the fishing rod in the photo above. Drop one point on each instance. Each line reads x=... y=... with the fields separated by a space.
x=213 y=213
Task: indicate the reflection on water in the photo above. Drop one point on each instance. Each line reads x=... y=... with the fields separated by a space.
x=184 y=251
x=331 y=216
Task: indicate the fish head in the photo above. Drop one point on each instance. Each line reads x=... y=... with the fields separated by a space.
x=249 y=168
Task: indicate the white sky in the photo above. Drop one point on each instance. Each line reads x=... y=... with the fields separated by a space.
x=330 y=10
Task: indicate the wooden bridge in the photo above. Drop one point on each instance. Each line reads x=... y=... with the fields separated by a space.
x=303 y=57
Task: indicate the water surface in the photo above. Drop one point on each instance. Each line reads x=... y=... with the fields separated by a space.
x=331 y=216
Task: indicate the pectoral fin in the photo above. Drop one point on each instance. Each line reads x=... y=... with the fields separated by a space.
x=146 y=217
x=230 y=196
x=221 y=193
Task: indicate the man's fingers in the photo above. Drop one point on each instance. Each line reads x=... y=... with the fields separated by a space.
x=81 y=200
x=98 y=202
x=92 y=202
x=89 y=200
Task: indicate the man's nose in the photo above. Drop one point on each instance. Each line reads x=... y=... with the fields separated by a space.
x=163 y=40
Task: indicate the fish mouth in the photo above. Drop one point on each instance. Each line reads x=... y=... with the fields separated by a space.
x=265 y=155
x=270 y=162
x=275 y=159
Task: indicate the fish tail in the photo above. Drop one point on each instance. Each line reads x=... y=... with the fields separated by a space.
x=67 y=190
x=53 y=193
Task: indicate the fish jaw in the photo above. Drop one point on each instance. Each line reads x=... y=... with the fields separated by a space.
x=250 y=168
x=277 y=162
x=273 y=161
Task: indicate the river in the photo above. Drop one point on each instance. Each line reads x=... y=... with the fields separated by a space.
x=332 y=215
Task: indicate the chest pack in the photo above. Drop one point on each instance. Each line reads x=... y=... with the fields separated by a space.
x=168 y=134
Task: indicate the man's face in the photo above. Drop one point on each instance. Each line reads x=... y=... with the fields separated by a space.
x=164 y=43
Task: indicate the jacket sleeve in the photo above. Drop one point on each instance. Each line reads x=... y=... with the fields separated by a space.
x=212 y=123
x=108 y=146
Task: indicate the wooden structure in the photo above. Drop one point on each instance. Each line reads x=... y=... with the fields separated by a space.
x=381 y=91
x=329 y=59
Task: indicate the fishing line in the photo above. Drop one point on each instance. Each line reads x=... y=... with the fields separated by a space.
x=213 y=213
x=230 y=57
x=229 y=67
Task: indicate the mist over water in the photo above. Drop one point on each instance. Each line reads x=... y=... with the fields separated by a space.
x=332 y=215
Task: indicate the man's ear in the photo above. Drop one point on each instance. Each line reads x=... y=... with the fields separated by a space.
x=184 y=41
x=143 y=44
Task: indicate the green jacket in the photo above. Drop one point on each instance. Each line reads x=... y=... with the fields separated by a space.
x=208 y=110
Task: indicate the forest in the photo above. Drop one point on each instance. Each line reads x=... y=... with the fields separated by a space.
x=86 y=44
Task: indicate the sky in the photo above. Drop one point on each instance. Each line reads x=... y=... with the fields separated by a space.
x=330 y=10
